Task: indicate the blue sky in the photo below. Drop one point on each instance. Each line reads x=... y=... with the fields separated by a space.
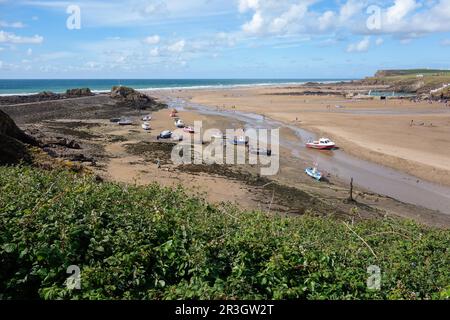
x=221 y=39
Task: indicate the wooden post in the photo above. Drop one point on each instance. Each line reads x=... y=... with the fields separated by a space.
x=351 y=191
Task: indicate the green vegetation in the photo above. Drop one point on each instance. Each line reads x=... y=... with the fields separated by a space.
x=155 y=243
x=420 y=81
x=414 y=72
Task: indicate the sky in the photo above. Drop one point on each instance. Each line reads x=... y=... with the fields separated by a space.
x=168 y=39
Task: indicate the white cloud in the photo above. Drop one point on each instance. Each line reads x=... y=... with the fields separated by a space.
x=154 y=52
x=177 y=47
x=8 y=37
x=445 y=42
x=327 y=20
x=350 y=9
x=379 y=41
x=1 y=64
x=255 y=25
x=245 y=5
x=283 y=22
x=362 y=46
x=400 y=10
x=5 y=24
x=29 y=52
x=155 y=39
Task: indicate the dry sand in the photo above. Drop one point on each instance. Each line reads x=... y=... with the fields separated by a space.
x=374 y=130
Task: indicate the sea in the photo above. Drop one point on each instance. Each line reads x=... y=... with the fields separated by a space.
x=32 y=86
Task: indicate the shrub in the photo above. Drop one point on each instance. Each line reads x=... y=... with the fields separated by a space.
x=157 y=243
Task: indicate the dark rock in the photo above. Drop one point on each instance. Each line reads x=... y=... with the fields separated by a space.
x=128 y=97
x=13 y=151
x=83 y=92
x=9 y=128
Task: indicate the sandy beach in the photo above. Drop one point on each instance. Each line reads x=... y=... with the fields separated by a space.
x=404 y=135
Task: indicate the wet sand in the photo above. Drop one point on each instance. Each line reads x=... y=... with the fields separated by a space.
x=375 y=130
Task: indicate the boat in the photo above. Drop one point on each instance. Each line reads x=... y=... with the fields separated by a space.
x=125 y=122
x=314 y=173
x=179 y=123
x=165 y=135
x=189 y=130
x=147 y=118
x=146 y=126
x=242 y=140
x=260 y=151
x=322 y=144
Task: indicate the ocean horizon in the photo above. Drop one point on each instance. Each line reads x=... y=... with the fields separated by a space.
x=33 y=86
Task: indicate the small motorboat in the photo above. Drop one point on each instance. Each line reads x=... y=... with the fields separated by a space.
x=146 y=126
x=165 y=135
x=260 y=151
x=147 y=118
x=179 y=123
x=125 y=122
x=314 y=173
x=242 y=140
x=189 y=130
x=322 y=144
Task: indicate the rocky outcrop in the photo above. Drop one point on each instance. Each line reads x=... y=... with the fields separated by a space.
x=45 y=96
x=75 y=93
x=131 y=98
x=13 y=142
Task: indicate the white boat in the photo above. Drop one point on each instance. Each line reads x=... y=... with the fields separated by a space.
x=322 y=144
x=260 y=151
x=146 y=126
x=242 y=140
x=314 y=173
x=179 y=123
x=125 y=122
x=189 y=130
x=147 y=118
x=165 y=135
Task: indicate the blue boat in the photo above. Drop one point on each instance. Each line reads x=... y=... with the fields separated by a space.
x=314 y=173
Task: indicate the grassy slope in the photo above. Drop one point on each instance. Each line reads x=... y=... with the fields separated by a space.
x=154 y=243
x=407 y=80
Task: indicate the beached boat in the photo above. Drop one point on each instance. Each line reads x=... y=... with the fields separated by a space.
x=322 y=144
x=242 y=140
x=260 y=151
x=179 y=123
x=125 y=122
x=147 y=118
x=146 y=126
x=165 y=135
x=314 y=173
x=188 y=129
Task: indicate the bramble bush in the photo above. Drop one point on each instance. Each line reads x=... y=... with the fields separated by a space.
x=157 y=243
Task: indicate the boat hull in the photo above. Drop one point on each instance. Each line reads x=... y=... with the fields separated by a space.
x=320 y=147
